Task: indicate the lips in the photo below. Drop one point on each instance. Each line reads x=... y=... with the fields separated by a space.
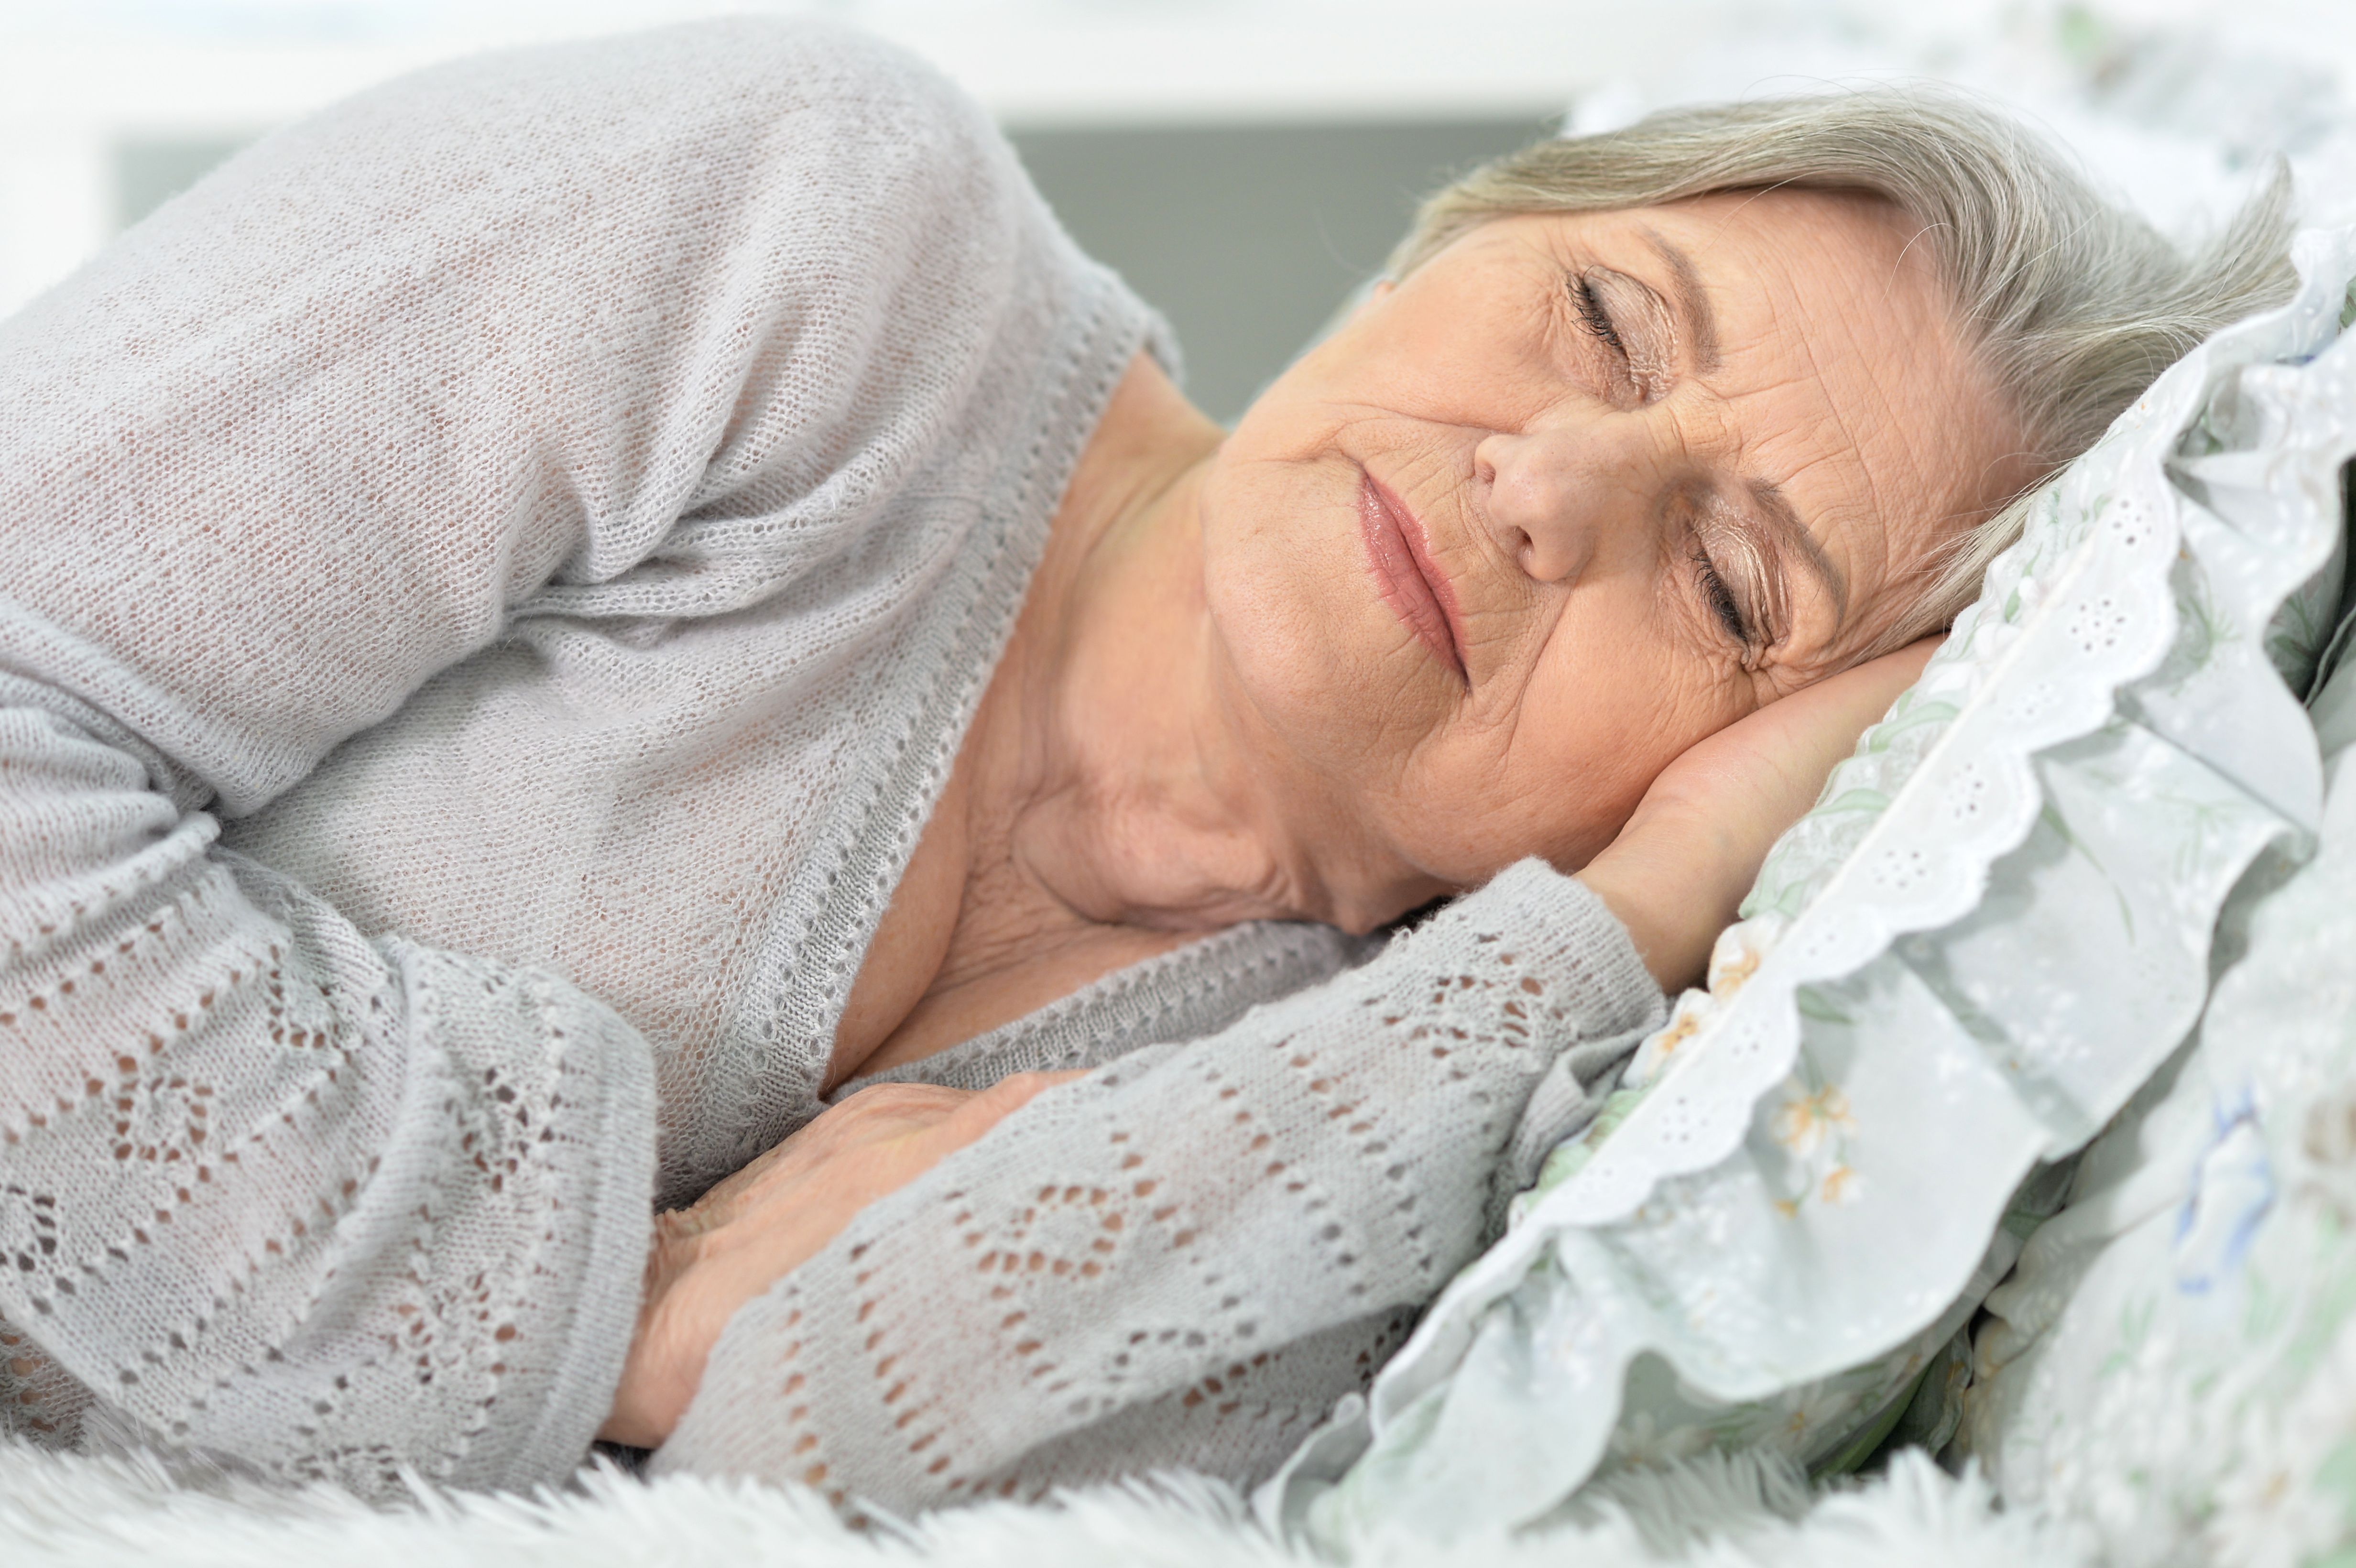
x=1415 y=590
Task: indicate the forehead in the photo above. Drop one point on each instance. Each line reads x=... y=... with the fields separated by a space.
x=1823 y=292
x=1831 y=282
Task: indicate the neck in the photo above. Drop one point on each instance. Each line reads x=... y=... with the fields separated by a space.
x=1108 y=776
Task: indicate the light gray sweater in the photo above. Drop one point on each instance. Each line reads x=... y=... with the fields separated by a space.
x=491 y=585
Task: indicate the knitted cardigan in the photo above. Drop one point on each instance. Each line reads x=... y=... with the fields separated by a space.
x=491 y=585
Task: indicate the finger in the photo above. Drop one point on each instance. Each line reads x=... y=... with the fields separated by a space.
x=1893 y=672
x=1025 y=1084
x=1016 y=1090
x=884 y=1112
x=874 y=1114
x=902 y=1128
x=994 y=1105
x=898 y=1099
x=878 y=1114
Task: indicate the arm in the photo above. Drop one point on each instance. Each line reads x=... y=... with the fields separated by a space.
x=754 y=1226
x=465 y=349
x=1224 y=1231
x=329 y=1206
x=1186 y=1258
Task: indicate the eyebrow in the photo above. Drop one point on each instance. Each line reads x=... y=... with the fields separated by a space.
x=1785 y=524
x=1693 y=304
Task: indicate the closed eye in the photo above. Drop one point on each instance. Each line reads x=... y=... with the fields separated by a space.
x=1720 y=599
x=1592 y=311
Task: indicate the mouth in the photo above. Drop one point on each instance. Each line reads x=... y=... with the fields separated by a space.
x=1418 y=591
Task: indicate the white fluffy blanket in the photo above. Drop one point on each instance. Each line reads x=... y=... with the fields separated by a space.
x=1711 y=1513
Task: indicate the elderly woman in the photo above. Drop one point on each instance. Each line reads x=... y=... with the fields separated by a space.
x=569 y=611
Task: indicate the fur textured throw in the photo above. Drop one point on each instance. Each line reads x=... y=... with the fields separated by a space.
x=1713 y=1512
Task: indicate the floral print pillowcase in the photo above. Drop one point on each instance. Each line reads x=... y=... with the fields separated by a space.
x=2174 y=1360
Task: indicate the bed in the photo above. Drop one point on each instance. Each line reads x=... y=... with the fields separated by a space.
x=1992 y=1203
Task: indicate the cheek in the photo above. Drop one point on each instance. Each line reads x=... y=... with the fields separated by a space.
x=1608 y=708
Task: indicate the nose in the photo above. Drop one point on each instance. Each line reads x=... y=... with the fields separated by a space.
x=1556 y=496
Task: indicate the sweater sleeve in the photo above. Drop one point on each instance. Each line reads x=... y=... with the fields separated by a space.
x=1187 y=1257
x=326 y=1206
x=632 y=330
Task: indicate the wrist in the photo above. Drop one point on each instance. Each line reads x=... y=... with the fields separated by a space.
x=1673 y=897
x=649 y=1401
x=1631 y=905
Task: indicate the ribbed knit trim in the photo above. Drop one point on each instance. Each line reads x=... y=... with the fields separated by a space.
x=611 y=1275
x=1193 y=991
x=798 y=989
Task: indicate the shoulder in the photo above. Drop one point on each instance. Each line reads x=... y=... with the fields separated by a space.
x=742 y=82
x=767 y=72
x=797 y=65
x=747 y=122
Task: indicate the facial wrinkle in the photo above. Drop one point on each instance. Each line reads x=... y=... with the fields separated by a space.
x=1777 y=507
x=1646 y=327
x=1752 y=565
x=1702 y=321
x=1876 y=510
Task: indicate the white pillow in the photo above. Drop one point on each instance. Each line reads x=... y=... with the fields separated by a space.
x=1992 y=929
x=2174 y=1360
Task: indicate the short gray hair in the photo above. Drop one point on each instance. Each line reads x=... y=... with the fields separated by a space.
x=2073 y=305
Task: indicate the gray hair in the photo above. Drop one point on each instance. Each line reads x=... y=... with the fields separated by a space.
x=2073 y=306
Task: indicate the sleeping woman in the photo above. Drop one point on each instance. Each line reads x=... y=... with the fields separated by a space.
x=654 y=782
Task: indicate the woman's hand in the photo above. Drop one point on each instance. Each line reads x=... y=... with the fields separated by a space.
x=1681 y=866
x=754 y=1228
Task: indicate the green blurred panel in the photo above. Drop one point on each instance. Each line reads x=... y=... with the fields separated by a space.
x=147 y=174
x=1247 y=237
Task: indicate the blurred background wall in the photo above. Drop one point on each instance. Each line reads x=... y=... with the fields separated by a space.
x=1244 y=162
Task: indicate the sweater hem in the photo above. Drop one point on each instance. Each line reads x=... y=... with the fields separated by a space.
x=619 y=1148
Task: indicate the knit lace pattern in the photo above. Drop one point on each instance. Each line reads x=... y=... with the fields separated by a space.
x=1188 y=1257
